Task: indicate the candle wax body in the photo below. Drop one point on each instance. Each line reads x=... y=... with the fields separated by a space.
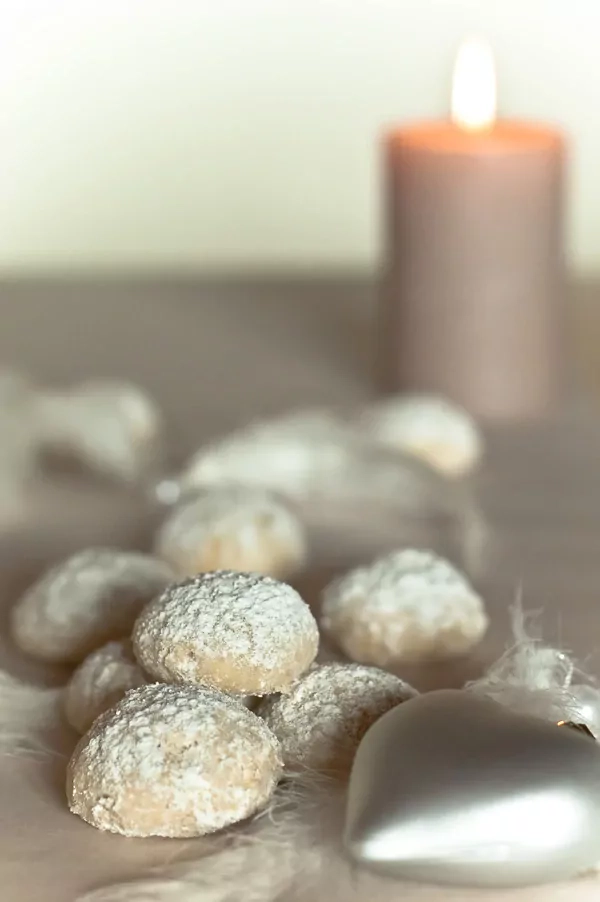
x=474 y=266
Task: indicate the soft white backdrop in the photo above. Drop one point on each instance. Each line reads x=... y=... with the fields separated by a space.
x=194 y=134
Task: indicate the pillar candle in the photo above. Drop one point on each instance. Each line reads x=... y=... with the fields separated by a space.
x=473 y=279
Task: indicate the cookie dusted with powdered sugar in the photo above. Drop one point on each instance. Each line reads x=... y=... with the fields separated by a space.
x=238 y=632
x=176 y=761
x=410 y=606
x=325 y=714
x=230 y=528
x=295 y=454
x=99 y=682
x=111 y=428
x=90 y=598
x=429 y=427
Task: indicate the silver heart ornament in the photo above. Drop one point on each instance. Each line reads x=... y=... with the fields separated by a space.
x=453 y=788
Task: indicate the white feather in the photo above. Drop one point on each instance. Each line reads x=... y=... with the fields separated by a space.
x=533 y=678
x=259 y=863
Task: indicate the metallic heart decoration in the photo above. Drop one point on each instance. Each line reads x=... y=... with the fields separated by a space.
x=453 y=788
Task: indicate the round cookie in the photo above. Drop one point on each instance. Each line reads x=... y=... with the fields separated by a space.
x=231 y=528
x=112 y=428
x=176 y=761
x=293 y=454
x=239 y=632
x=80 y=604
x=100 y=682
x=410 y=606
x=323 y=718
x=431 y=428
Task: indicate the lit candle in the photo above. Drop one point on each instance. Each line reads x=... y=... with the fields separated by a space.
x=473 y=256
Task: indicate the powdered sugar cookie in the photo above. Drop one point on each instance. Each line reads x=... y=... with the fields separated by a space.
x=113 y=428
x=325 y=714
x=100 y=682
x=238 y=632
x=80 y=604
x=410 y=606
x=230 y=528
x=173 y=761
x=442 y=434
x=293 y=454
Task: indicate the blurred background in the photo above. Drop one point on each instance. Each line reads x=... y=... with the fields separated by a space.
x=241 y=135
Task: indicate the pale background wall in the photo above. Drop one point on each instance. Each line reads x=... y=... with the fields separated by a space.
x=242 y=133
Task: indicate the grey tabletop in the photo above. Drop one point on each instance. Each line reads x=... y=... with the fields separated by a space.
x=214 y=355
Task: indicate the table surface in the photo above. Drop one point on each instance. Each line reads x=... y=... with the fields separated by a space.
x=220 y=353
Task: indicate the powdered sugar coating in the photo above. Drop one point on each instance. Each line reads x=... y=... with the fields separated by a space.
x=432 y=428
x=237 y=528
x=111 y=427
x=83 y=602
x=409 y=606
x=100 y=682
x=323 y=718
x=239 y=632
x=174 y=761
x=291 y=454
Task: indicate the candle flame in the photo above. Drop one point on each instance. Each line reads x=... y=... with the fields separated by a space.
x=474 y=86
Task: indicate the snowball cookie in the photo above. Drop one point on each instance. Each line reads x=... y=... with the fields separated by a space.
x=322 y=719
x=239 y=632
x=440 y=433
x=410 y=606
x=112 y=428
x=92 y=597
x=100 y=682
x=294 y=454
x=173 y=761
x=231 y=528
